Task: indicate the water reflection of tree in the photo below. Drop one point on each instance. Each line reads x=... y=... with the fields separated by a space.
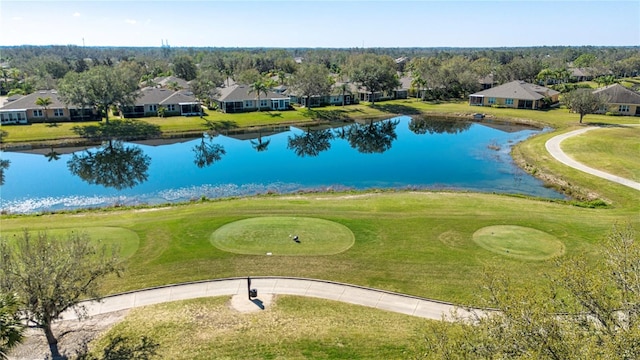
x=113 y=165
x=4 y=165
x=311 y=143
x=52 y=155
x=259 y=145
x=375 y=137
x=207 y=152
x=431 y=125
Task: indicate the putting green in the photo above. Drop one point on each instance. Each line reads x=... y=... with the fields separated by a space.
x=519 y=242
x=127 y=240
x=274 y=235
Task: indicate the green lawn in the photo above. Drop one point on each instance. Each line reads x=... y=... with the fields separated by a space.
x=292 y=328
x=416 y=243
x=283 y=236
x=614 y=150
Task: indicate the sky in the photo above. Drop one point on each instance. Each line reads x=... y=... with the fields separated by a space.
x=321 y=23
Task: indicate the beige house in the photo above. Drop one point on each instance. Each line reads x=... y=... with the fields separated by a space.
x=620 y=100
x=516 y=94
x=25 y=111
x=173 y=103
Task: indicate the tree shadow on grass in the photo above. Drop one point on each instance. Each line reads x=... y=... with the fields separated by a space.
x=328 y=115
x=274 y=114
x=396 y=109
x=127 y=129
x=220 y=126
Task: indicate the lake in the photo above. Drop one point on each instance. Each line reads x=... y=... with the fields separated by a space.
x=398 y=153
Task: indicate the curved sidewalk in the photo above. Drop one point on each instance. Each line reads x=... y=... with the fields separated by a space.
x=553 y=147
x=379 y=299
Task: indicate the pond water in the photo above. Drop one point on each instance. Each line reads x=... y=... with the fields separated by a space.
x=397 y=153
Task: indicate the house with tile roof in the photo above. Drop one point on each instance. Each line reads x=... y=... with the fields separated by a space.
x=240 y=98
x=516 y=94
x=173 y=103
x=620 y=100
x=24 y=110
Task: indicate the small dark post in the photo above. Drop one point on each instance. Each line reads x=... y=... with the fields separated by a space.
x=249 y=286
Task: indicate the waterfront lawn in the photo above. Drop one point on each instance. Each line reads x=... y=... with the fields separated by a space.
x=175 y=125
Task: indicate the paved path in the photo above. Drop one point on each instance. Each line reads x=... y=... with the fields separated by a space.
x=268 y=285
x=553 y=147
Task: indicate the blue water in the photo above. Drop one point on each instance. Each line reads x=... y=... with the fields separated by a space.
x=476 y=159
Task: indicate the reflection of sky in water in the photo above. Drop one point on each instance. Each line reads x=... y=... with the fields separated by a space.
x=477 y=159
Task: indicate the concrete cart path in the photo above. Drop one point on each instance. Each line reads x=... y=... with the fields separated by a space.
x=267 y=285
x=553 y=147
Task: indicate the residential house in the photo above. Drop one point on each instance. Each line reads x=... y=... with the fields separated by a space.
x=487 y=82
x=516 y=94
x=333 y=98
x=240 y=98
x=168 y=82
x=620 y=100
x=25 y=111
x=173 y=103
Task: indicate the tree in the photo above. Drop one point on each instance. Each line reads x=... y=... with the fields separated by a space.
x=184 y=67
x=310 y=80
x=375 y=73
x=588 y=310
x=583 y=101
x=52 y=275
x=205 y=85
x=44 y=103
x=100 y=86
x=344 y=88
x=11 y=327
x=249 y=76
x=258 y=87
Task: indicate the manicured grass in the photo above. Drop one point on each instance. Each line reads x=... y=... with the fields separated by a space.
x=519 y=242
x=125 y=240
x=292 y=328
x=614 y=150
x=419 y=243
x=533 y=156
x=278 y=236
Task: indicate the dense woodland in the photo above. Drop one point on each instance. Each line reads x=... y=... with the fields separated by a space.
x=447 y=72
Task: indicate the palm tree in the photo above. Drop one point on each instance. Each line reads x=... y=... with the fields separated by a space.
x=44 y=102
x=344 y=88
x=258 y=87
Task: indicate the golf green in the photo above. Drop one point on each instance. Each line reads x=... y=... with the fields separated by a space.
x=288 y=236
x=519 y=242
x=126 y=240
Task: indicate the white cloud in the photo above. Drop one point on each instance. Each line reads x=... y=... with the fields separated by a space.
x=76 y=14
x=17 y=18
x=130 y=21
